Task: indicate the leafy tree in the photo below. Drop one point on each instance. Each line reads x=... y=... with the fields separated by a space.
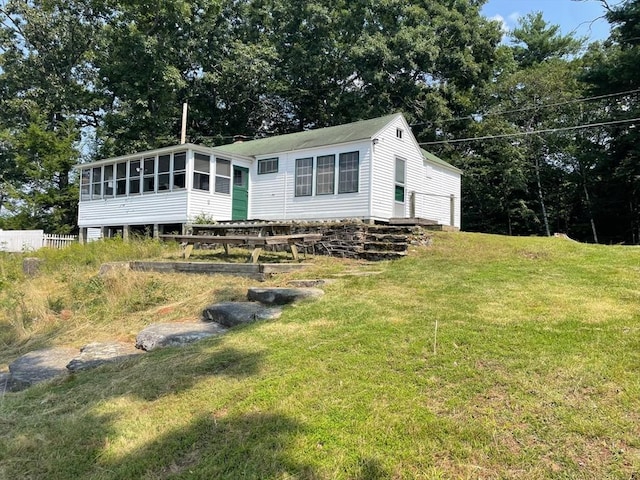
x=613 y=69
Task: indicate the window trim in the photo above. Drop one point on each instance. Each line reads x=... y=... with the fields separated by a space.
x=266 y=161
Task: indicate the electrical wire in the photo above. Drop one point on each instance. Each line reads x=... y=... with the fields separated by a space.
x=536 y=107
x=533 y=132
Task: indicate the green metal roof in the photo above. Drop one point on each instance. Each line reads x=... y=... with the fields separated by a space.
x=350 y=132
x=437 y=160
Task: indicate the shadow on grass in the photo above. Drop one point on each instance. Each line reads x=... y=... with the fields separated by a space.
x=88 y=433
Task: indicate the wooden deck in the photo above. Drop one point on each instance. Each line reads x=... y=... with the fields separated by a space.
x=251 y=241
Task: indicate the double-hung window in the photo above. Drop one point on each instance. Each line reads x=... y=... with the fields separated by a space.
x=223 y=175
x=325 y=174
x=304 y=177
x=108 y=181
x=96 y=183
x=179 y=170
x=85 y=184
x=149 y=175
x=201 y=171
x=164 y=172
x=121 y=179
x=348 y=172
x=134 y=177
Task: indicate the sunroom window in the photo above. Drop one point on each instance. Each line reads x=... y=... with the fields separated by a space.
x=85 y=184
x=179 y=170
x=149 y=175
x=134 y=177
x=121 y=179
x=164 y=172
x=96 y=183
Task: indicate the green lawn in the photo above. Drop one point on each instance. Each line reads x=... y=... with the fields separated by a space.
x=479 y=357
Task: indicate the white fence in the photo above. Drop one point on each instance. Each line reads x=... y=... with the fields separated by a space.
x=28 y=240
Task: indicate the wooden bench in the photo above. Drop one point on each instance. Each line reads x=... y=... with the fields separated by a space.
x=258 y=243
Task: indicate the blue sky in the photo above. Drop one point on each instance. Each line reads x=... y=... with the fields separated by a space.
x=581 y=16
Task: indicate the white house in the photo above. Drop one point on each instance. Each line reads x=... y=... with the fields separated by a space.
x=372 y=170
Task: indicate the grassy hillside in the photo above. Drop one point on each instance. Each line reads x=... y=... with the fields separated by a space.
x=479 y=357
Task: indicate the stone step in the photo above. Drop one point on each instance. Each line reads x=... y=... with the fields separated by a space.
x=386 y=246
x=230 y=314
x=386 y=237
x=160 y=335
x=39 y=366
x=375 y=255
x=283 y=296
x=95 y=354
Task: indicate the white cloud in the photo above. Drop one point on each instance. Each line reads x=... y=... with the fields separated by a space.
x=514 y=17
x=503 y=23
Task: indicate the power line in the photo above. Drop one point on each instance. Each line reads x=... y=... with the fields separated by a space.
x=519 y=134
x=524 y=109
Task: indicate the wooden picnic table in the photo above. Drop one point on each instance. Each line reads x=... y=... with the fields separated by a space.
x=257 y=242
x=260 y=229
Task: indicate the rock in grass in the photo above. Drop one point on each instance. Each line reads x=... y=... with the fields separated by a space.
x=95 y=354
x=283 y=296
x=175 y=334
x=39 y=366
x=6 y=383
x=231 y=314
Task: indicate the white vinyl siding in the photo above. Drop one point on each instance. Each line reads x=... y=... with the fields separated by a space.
x=430 y=183
x=274 y=197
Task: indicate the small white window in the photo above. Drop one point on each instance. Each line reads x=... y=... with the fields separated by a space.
x=399 y=133
x=267 y=165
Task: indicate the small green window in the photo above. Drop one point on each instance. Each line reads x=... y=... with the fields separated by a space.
x=399 y=193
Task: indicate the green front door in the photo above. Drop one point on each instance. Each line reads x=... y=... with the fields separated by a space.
x=240 y=196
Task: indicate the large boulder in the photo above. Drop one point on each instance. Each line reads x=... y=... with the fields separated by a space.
x=231 y=314
x=39 y=366
x=283 y=296
x=175 y=334
x=95 y=354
